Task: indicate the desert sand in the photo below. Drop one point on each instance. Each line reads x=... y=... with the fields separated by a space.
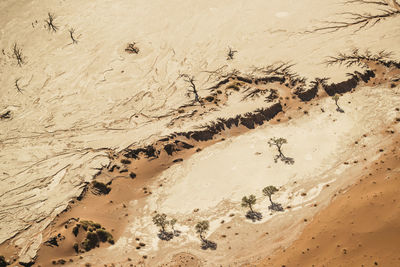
x=92 y=132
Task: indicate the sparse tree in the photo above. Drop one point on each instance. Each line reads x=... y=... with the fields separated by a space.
x=17 y=54
x=50 y=22
x=248 y=202
x=193 y=89
x=357 y=21
x=336 y=99
x=201 y=228
x=269 y=191
x=231 y=54
x=279 y=142
x=161 y=221
x=71 y=34
x=132 y=48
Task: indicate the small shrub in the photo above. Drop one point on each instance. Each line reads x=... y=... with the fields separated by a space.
x=101 y=188
x=131 y=48
x=91 y=241
x=76 y=247
x=90 y=226
x=75 y=230
x=104 y=236
x=125 y=161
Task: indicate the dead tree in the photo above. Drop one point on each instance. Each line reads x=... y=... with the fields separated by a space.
x=355 y=58
x=193 y=89
x=17 y=54
x=358 y=21
x=5 y=115
x=231 y=54
x=71 y=34
x=50 y=22
x=132 y=48
x=17 y=85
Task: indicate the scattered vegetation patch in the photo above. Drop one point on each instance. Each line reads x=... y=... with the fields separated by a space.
x=95 y=234
x=161 y=221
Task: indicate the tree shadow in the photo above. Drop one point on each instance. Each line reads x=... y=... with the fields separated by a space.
x=340 y=110
x=254 y=215
x=166 y=236
x=275 y=207
x=286 y=160
x=207 y=244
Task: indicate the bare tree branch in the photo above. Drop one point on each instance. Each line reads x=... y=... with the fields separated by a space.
x=17 y=54
x=357 y=59
x=382 y=3
x=71 y=34
x=17 y=85
x=50 y=22
x=359 y=21
x=5 y=115
x=231 y=54
x=193 y=89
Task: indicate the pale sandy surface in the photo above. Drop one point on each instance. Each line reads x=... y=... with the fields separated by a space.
x=81 y=101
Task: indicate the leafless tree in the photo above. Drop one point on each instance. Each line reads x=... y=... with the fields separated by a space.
x=71 y=34
x=17 y=85
x=355 y=58
x=50 y=22
x=193 y=89
x=231 y=54
x=357 y=21
x=132 y=48
x=17 y=54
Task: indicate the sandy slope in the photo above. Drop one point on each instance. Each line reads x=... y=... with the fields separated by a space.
x=81 y=102
x=360 y=228
x=320 y=162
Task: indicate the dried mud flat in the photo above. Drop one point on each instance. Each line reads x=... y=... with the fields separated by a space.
x=91 y=153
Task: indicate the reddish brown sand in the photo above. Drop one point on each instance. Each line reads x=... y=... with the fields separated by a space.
x=360 y=228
